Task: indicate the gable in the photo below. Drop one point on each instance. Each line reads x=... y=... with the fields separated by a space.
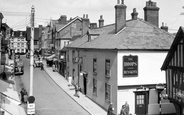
x=175 y=55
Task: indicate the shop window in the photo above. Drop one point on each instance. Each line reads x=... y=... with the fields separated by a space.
x=94 y=87
x=107 y=68
x=107 y=92
x=94 y=66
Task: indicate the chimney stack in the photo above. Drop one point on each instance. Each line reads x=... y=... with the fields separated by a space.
x=134 y=14
x=164 y=27
x=93 y=25
x=151 y=13
x=101 y=21
x=62 y=19
x=120 y=16
x=85 y=24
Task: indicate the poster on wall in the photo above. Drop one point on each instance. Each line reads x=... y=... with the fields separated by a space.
x=130 y=66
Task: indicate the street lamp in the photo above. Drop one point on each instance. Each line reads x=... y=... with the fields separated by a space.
x=159 y=88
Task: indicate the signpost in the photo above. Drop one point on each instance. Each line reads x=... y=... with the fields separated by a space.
x=31 y=105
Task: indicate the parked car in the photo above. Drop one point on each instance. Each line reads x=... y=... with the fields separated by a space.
x=37 y=62
x=27 y=54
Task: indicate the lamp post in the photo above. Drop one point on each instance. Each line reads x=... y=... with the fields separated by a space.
x=159 y=88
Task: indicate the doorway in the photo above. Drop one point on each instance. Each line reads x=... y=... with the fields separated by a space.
x=141 y=103
x=85 y=83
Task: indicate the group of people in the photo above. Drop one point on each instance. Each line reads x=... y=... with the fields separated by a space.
x=23 y=96
x=124 y=110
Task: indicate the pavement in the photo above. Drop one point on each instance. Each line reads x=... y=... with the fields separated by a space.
x=86 y=103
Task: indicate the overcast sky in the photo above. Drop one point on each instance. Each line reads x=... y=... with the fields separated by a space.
x=17 y=12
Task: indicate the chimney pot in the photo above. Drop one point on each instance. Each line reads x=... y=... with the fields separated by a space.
x=134 y=14
x=118 y=2
x=86 y=16
x=101 y=21
x=122 y=1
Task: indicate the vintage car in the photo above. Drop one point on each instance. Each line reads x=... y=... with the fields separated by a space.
x=27 y=54
x=19 y=67
x=37 y=62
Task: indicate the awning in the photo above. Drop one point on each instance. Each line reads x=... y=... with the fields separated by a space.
x=8 y=90
x=12 y=108
x=50 y=57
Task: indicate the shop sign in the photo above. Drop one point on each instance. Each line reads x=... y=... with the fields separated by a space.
x=130 y=66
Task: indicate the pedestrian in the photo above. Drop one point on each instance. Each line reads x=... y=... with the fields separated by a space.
x=25 y=95
x=122 y=112
x=70 y=80
x=127 y=108
x=42 y=66
x=76 y=90
x=110 y=109
x=22 y=96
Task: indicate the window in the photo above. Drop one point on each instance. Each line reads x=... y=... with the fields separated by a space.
x=107 y=92
x=140 y=99
x=94 y=87
x=94 y=66
x=107 y=68
x=22 y=50
x=35 y=42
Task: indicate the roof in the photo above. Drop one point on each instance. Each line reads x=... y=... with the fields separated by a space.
x=137 y=34
x=173 y=48
x=76 y=18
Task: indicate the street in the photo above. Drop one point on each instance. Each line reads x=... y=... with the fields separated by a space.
x=49 y=97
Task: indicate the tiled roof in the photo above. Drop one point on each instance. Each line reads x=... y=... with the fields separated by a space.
x=137 y=34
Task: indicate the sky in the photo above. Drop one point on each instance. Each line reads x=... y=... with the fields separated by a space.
x=17 y=12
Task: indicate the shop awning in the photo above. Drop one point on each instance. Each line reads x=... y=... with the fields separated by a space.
x=8 y=90
x=52 y=56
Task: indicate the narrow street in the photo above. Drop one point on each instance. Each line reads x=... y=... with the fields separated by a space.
x=49 y=97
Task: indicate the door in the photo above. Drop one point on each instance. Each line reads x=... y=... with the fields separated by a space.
x=85 y=83
x=141 y=103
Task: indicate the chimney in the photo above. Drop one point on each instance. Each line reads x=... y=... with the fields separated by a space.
x=20 y=34
x=85 y=24
x=164 y=27
x=101 y=21
x=151 y=13
x=120 y=16
x=134 y=14
x=62 y=19
x=93 y=25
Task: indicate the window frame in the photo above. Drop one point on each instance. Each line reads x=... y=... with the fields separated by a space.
x=107 y=69
x=107 y=92
x=95 y=66
x=94 y=87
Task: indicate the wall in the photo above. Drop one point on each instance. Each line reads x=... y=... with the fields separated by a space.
x=149 y=64
x=87 y=66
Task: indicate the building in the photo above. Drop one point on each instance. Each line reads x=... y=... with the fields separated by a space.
x=174 y=70
x=121 y=62
x=18 y=44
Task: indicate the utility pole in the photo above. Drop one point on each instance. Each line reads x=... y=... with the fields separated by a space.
x=31 y=99
x=31 y=51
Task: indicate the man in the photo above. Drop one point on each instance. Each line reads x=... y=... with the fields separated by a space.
x=127 y=109
x=110 y=109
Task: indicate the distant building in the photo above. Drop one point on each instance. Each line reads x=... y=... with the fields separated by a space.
x=18 y=44
x=121 y=62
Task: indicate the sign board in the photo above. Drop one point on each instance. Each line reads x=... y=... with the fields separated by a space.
x=31 y=108
x=130 y=66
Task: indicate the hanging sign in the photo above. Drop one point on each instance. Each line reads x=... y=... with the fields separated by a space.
x=130 y=66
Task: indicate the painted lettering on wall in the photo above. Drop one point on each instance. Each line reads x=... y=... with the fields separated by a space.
x=130 y=66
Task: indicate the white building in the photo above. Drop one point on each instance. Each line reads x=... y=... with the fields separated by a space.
x=121 y=62
x=18 y=44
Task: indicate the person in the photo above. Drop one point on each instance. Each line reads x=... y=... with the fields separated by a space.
x=110 y=109
x=122 y=112
x=22 y=96
x=127 y=108
x=42 y=66
x=76 y=90
x=70 y=80
x=25 y=96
